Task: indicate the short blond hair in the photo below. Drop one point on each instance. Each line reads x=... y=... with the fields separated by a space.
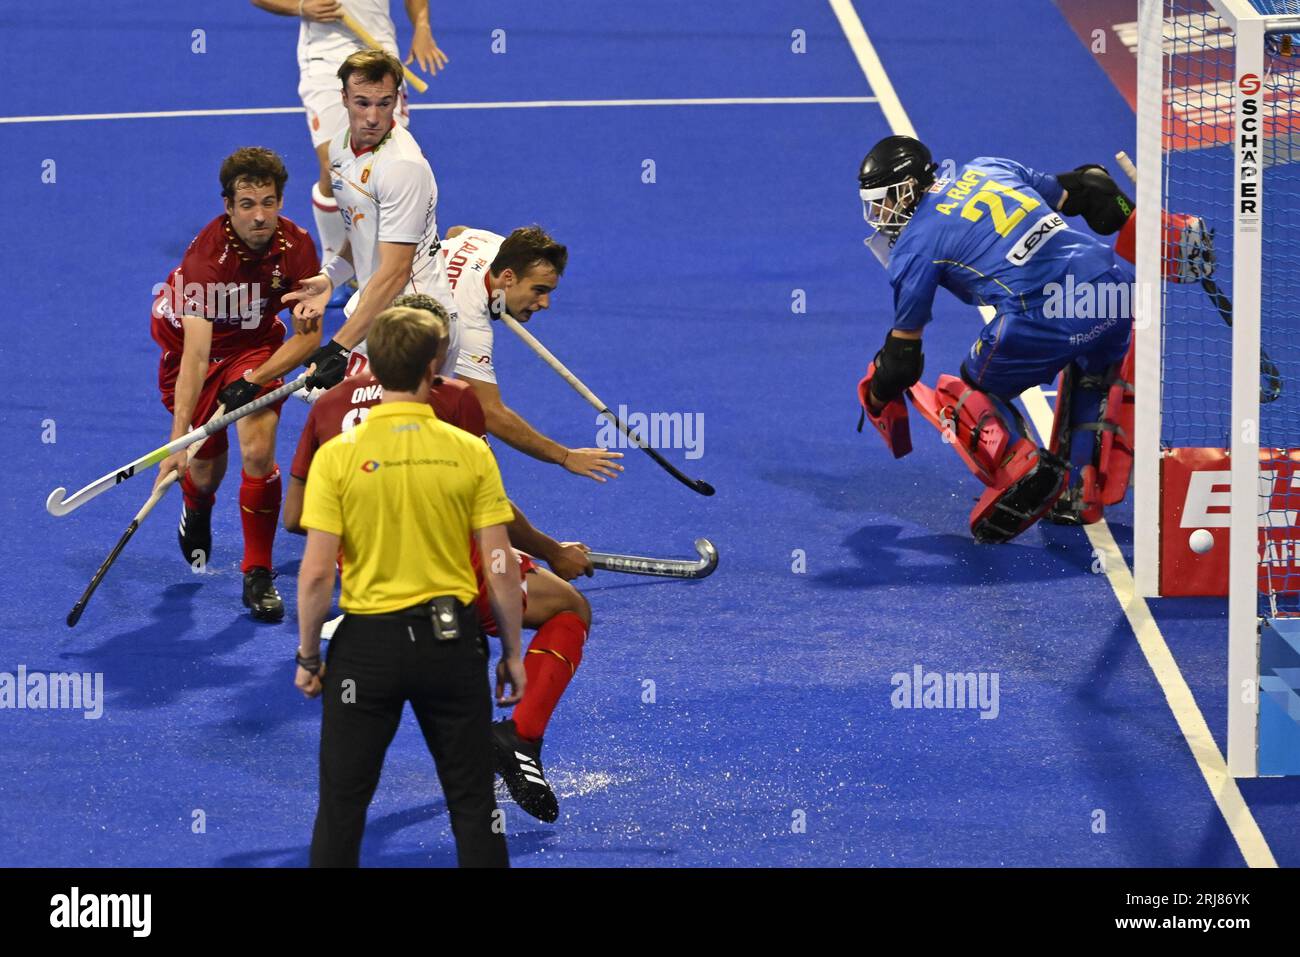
x=401 y=344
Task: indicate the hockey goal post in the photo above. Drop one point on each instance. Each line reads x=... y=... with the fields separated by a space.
x=1218 y=137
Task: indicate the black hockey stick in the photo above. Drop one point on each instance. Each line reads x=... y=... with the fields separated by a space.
x=1270 y=379
x=660 y=567
x=74 y=616
x=695 y=485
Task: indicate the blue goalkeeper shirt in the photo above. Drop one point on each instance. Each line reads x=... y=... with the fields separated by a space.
x=991 y=236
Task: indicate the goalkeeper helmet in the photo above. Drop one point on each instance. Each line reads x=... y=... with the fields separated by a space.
x=891 y=180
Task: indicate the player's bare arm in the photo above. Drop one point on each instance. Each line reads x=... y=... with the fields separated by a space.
x=288 y=356
x=194 y=367
x=424 y=48
x=323 y=11
x=312 y=294
x=293 y=496
x=567 y=559
x=510 y=427
x=394 y=272
x=502 y=580
x=315 y=592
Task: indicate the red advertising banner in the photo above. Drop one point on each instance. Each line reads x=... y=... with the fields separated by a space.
x=1197 y=494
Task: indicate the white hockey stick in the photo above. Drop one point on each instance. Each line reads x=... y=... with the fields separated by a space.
x=1127 y=166
x=60 y=503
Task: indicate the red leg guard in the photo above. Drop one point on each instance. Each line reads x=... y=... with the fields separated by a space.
x=970 y=421
x=1031 y=482
x=1115 y=460
x=1023 y=480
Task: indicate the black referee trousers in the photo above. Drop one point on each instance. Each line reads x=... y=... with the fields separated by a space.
x=375 y=666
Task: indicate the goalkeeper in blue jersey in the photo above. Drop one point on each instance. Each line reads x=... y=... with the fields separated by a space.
x=996 y=234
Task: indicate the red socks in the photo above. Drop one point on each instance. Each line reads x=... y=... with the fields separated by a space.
x=259 y=509
x=195 y=500
x=553 y=657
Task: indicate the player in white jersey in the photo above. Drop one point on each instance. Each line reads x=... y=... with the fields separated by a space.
x=388 y=197
x=490 y=273
x=323 y=44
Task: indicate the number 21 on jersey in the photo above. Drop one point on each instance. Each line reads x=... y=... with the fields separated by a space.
x=990 y=197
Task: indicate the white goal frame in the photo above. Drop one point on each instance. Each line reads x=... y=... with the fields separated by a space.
x=1248 y=27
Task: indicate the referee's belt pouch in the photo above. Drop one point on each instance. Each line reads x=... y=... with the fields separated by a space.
x=444 y=613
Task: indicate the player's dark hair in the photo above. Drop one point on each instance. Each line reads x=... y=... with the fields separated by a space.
x=372 y=65
x=401 y=344
x=525 y=248
x=252 y=166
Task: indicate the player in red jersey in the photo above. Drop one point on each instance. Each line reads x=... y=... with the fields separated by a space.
x=554 y=607
x=216 y=320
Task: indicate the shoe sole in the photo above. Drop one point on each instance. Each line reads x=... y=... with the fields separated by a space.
x=543 y=807
x=265 y=616
x=259 y=615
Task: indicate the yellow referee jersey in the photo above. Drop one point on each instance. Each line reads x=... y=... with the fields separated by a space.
x=404 y=491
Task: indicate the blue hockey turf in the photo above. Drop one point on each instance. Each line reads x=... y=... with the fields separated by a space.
x=746 y=719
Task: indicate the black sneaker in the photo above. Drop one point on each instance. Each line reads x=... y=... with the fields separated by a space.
x=195 y=535
x=519 y=763
x=260 y=595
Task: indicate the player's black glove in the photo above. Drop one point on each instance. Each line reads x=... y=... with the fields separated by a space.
x=240 y=392
x=331 y=361
x=1096 y=197
x=898 y=367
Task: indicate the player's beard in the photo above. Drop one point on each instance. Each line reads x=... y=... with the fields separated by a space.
x=258 y=241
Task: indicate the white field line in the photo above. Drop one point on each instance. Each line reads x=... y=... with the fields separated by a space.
x=504 y=105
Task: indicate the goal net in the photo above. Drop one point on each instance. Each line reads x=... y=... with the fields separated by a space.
x=1217 y=498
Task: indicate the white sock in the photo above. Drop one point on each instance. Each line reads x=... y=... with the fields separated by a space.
x=329 y=224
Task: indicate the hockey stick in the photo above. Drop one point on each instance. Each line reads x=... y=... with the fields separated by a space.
x=1270 y=379
x=1270 y=384
x=60 y=503
x=660 y=567
x=74 y=616
x=695 y=485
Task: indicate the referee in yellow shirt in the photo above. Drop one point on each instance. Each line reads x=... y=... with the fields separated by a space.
x=400 y=495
